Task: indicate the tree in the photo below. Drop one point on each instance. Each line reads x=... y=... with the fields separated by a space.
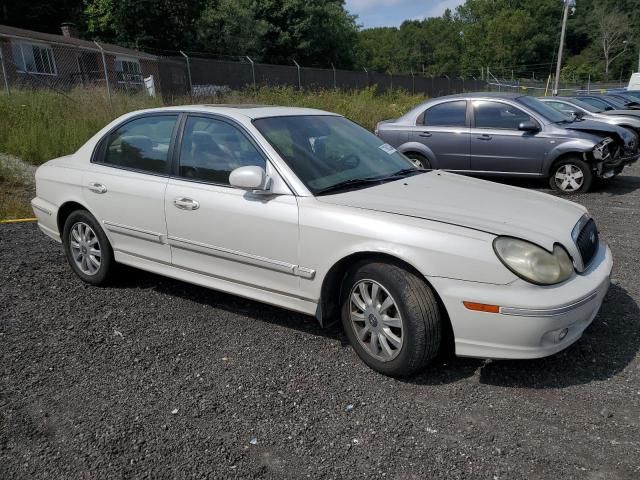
x=611 y=30
x=159 y=24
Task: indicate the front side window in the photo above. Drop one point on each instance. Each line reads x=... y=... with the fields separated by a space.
x=142 y=144
x=499 y=115
x=448 y=114
x=325 y=151
x=33 y=58
x=211 y=149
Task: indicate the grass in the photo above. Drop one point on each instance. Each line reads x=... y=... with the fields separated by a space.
x=38 y=125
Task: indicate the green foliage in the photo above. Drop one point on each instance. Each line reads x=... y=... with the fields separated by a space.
x=39 y=125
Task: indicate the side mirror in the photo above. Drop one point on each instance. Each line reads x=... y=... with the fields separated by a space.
x=577 y=115
x=252 y=178
x=529 y=126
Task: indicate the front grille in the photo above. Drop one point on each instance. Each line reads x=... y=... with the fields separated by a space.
x=587 y=242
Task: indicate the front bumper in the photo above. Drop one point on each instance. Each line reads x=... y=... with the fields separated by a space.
x=610 y=168
x=534 y=321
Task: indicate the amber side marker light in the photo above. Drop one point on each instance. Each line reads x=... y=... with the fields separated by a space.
x=482 y=307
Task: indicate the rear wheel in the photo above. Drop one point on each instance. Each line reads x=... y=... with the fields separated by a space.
x=419 y=160
x=87 y=248
x=571 y=175
x=392 y=318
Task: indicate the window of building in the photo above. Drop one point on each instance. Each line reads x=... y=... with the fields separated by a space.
x=128 y=70
x=36 y=58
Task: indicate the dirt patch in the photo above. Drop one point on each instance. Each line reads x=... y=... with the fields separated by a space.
x=17 y=187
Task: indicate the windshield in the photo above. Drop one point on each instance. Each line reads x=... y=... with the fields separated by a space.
x=326 y=150
x=546 y=111
x=588 y=107
x=615 y=101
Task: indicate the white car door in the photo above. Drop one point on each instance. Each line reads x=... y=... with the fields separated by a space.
x=225 y=232
x=125 y=184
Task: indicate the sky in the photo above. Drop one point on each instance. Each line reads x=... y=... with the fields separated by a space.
x=391 y=13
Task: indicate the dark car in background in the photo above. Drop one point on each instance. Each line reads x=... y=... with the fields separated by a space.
x=513 y=135
x=578 y=108
x=608 y=102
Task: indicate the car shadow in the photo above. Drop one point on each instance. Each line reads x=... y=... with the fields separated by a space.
x=605 y=349
x=130 y=277
x=620 y=185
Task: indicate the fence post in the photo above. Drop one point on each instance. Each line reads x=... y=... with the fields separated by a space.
x=391 y=81
x=413 y=83
x=188 y=73
x=4 y=72
x=335 y=81
x=299 y=76
x=106 y=72
x=367 y=73
x=253 y=71
x=589 y=84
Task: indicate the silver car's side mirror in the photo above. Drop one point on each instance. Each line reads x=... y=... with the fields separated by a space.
x=251 y=178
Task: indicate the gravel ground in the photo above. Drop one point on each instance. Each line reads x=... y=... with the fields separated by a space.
x=157 y=378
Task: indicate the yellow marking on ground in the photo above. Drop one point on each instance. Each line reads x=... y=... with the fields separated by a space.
x=19 y=220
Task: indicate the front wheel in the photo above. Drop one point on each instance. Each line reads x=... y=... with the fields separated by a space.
x=391 y=317
x=570 y=176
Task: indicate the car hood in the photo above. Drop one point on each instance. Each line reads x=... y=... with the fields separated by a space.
x=602 y=128
x=632 y=113
x=469 y=202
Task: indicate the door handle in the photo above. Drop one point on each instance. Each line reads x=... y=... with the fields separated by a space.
x=97 y=188
x=485 y=137
x=184 y=203
x=425 y=134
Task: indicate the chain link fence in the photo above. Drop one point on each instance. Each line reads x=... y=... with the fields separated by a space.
x=63 y=64
x=31 y=63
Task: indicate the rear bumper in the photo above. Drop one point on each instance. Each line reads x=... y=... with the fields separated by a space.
x=47 y=214
x=533 y=321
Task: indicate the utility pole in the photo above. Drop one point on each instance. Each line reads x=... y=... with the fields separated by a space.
x=567 y=4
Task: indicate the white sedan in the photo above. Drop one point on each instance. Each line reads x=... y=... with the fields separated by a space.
x=304 y=209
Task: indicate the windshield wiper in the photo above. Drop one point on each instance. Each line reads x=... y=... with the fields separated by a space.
x=404 y=172
x=354 y=182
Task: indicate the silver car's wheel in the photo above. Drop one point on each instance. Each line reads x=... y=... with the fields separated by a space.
x=376 y=320
x=569 y=178
x=85 y=248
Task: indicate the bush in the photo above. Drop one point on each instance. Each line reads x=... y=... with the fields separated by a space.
x=38 y=125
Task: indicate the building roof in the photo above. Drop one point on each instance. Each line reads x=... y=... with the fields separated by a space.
x=22 y=34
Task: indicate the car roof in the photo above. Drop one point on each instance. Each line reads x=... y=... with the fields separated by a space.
x=243 y=110
x=482 y=95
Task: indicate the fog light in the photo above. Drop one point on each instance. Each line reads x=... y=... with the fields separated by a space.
x=562 y=334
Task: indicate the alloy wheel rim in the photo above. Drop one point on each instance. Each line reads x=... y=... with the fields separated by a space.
x=417 y=162
x=376 y=320
x=569 y=178
x=85 y=248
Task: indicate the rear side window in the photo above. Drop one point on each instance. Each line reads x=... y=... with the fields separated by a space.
x=449 y=114
x=142 y=144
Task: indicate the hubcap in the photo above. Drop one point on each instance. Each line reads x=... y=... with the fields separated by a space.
x=376 y=320
x=417 y=162
x=569 y=178
x=85 y=248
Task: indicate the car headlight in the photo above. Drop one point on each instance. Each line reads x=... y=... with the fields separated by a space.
x=533 y=263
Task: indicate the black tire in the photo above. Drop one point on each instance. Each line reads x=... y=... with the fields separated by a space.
x=585 y=182
x=106 y=266
x=419 y=160
x=422 y=319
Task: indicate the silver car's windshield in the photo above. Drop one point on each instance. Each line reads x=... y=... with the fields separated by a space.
x=327 y=152
x=546 y=111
